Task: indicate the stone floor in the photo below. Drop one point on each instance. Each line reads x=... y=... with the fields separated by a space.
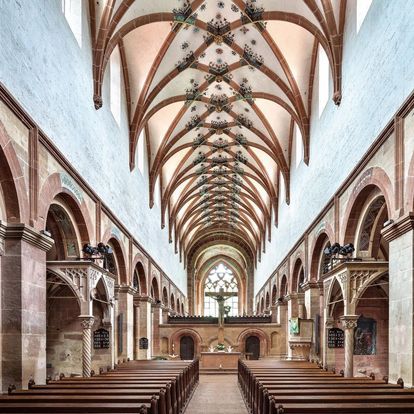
x=217 y=394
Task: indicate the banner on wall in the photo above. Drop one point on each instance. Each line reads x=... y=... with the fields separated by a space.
x=294 y=326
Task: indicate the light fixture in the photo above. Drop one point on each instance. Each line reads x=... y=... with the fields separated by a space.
x=347 y=250
x=100 y=252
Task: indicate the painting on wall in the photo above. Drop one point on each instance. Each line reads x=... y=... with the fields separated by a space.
x=365 y=337
x=294 y=326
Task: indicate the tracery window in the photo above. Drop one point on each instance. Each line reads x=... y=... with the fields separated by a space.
x=72 y=10
x=221 y=277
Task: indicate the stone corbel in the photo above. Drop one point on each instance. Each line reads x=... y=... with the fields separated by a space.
x=28 y=234
x=138 y=299
x=107 y=323
x=401 y=226
x=124 y=289
x=310 y=284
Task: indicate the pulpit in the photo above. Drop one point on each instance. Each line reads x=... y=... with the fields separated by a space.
x=219 y=360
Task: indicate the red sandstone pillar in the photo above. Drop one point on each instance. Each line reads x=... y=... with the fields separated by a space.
x=156 y=320
x=23 y=305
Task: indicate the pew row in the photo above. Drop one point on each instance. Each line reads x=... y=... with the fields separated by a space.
x=144 y=387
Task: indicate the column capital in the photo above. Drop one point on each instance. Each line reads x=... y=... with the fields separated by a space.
x=28 y=234
x=349 y=321
x=142 y=299
x=281 y=303
x=329 y=323
x=125 y=289
x=311 y=284
x=86 y=321
x=397 y=228
x=291 y=296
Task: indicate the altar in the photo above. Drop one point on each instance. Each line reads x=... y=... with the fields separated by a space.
x=218 y=360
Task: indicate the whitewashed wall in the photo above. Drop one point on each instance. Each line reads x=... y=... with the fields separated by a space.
x=378 y=74
x=43 y=66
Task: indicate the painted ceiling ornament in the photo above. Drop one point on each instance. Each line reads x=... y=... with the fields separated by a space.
x=186 y=62
x=253 y=11
x=220 y=143
x=237 y=170
x=244 y=121
x=202 y=169
x=218 y=68
x=201 y=157
x=245 y=92
x=219 y=102
x=240 y=140
x=182 y=15
x=202 y=180
x=235 y=178
x=192 y=93
x=219 y=160
x=218 y=40
x=251 y=57
x=193 y=122
x=203 y=190
x=240 y=157
x=218 y=27
x=198 y=141
x=219 y=127
x=219 y=172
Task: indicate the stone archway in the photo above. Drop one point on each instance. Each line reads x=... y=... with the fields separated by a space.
x=175 y=340
x=263 y=338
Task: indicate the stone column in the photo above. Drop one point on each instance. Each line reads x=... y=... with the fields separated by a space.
x=292 y=312
x=283 y=321
x=156 y=320
x=273 y=310
x=23 y=305
x=349 y=323
x=125 y=294
x=400 y=236
x=301 y=305
x=312 y=298
x=87 y=323
x=145 y=326
x=136 y=330
x=165 y=313
x=328 y=357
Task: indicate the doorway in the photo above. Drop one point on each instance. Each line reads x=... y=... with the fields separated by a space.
x=253 y=347
x=187 y=347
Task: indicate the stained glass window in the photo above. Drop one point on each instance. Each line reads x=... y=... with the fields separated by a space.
x=221 y=277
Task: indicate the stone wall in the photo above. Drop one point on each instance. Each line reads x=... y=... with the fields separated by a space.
x=377 y=78
x=55 y=86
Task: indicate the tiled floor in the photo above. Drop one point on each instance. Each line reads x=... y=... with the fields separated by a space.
x=217 y=394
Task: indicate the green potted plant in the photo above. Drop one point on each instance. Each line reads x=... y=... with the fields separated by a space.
x=220 y=347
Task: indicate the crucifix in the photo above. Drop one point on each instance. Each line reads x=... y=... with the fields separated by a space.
x=221 y=297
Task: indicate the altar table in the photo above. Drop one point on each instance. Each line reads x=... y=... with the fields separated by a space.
x=219 y=359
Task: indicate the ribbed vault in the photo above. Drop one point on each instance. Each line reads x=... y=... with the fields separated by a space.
x=217 y=88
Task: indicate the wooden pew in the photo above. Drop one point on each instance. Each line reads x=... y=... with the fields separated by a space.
x=145 y=387
x=270 y=387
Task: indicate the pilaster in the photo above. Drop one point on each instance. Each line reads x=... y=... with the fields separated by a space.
x=23 y=304
x=400 y=236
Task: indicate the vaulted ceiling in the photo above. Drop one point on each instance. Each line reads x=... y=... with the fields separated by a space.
x=217 y=88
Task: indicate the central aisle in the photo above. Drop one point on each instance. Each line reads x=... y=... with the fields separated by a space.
x=217 y=394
